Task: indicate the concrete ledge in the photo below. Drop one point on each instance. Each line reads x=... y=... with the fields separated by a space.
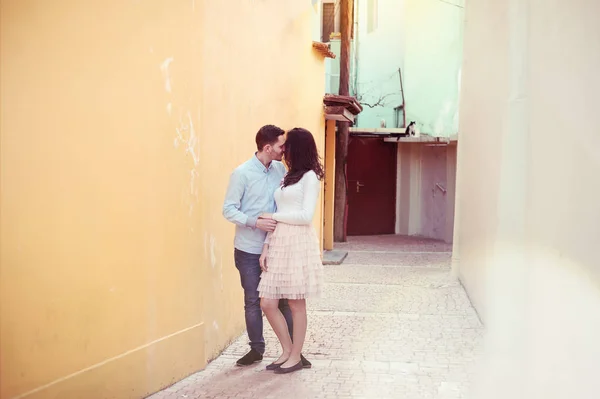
x=334 y=257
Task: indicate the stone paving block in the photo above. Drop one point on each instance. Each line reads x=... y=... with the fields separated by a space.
x=400 y=259
x=405 y=276
x=378 y=298
x=334 y=257
x=393 y=243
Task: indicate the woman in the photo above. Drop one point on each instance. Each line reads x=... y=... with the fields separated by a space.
x=291 y=256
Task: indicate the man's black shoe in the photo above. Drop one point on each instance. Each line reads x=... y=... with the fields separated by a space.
x=250 y=358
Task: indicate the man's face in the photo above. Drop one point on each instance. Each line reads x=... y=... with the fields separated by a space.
x=276 y=150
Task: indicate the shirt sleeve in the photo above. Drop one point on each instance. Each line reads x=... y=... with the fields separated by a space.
x=311 y=188
x=233 y=201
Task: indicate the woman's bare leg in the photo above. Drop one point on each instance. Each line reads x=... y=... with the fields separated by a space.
x=298 y=307
x=271 y=309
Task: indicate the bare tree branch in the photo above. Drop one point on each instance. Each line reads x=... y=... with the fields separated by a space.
x=379 y=102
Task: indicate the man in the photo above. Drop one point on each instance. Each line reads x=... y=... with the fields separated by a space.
x=250 y=193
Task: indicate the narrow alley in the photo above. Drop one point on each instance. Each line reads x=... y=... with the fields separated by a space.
x=393 y=323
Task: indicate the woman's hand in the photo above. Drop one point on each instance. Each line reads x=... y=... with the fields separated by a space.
x=267 y=225
x=266 y=216
x=263 y=258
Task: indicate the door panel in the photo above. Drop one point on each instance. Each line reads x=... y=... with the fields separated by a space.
x=433 y=194
x=371 y=186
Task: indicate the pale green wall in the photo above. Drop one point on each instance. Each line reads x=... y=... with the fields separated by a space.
x=424 y=38
x=380 y=54
x=433 y=60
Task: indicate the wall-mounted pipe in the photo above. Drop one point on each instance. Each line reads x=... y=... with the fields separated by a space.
x=403 y=100
x=356 y=46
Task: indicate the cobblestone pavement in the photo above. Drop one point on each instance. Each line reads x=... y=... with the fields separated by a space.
x=393 y=323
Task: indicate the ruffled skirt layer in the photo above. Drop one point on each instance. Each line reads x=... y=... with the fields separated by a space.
x=294 y=265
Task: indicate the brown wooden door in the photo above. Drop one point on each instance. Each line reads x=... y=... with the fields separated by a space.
x=371 y=186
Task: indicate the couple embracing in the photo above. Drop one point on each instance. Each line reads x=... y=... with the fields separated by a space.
x=277 y=251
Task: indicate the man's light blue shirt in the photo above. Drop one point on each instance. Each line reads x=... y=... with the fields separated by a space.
x=249 y=194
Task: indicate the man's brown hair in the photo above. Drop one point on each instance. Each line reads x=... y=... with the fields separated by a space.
x=268 y=134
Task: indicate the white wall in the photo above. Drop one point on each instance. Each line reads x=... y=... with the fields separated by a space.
x=528 y=223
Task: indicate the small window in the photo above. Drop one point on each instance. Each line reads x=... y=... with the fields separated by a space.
x=372 y=15
x=328 y=21
x=398 y=117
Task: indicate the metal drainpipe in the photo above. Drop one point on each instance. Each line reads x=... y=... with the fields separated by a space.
x=356 y=6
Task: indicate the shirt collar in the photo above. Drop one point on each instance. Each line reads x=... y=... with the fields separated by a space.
x=260 y=165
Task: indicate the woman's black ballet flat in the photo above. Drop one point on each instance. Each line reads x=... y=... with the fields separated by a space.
x=285 y=370
x=274 y=366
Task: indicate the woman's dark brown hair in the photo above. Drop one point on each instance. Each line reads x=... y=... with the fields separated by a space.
x=301 y=156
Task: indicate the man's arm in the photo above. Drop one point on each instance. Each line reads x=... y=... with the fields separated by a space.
x=233 y=201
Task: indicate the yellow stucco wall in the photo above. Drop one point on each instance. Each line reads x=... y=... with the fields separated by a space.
x=329 y=186
x=120 y=124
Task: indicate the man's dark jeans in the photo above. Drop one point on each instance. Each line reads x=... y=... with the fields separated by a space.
x=249 y=267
